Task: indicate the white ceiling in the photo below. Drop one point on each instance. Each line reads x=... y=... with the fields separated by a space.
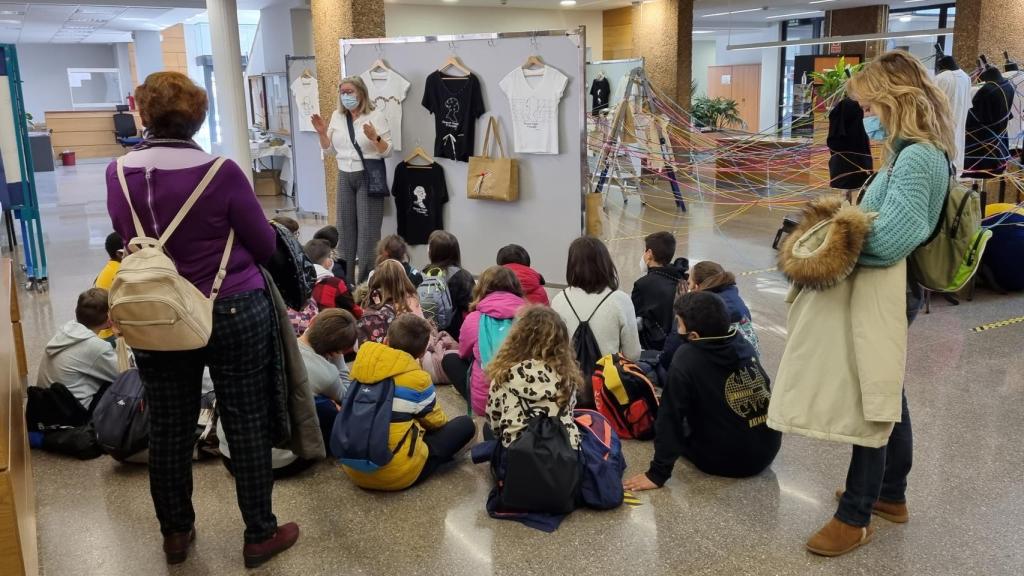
x=36 y=22
x=42 y=21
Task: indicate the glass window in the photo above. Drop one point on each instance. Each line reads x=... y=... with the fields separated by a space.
x=95 y=87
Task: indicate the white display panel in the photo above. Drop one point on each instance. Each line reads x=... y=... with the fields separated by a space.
x=307 y=168
x=548 y=215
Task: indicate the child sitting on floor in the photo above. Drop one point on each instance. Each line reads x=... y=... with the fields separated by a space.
x=421 y=437
x=330 y=235
x=389 y=295
x=517 y=259
x=446 y=262
x=76 y=356
x=534 y=372
x=715 y=402
x=115 y=252
x=329 y=290
x=393 y=247
x=330 y=336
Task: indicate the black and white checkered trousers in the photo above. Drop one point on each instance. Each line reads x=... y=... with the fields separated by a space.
x=359 y=222
x=239 y=356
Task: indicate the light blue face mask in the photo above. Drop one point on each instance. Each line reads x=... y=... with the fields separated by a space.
x=349 y=101
x=873 y=126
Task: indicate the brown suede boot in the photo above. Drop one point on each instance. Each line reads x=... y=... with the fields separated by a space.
x=176 y=546
x=892 y=511
x=837 y=538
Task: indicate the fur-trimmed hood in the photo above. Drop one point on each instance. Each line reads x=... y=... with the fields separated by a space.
x=823 y=249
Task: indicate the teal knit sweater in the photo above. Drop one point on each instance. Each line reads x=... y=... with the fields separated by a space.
x=908 y=204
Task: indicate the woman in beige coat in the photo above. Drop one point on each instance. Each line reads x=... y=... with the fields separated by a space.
x=841 y=376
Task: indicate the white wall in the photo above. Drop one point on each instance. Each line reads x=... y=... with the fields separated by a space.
x=703 y=56
x=45 y=75
x=149 y=54
x=724 y=57
x=409 y=20
x=302 y=32
x=123 y=64
x=771 y=62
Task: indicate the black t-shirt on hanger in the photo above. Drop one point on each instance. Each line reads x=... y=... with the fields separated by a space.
x=600 y=89
x=456 y=103
x=420 y=195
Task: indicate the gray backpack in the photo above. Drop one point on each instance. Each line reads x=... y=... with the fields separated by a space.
x=435 y=298
x=121 y=418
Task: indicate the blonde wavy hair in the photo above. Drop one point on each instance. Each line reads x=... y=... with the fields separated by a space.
x=897 y=88
x=365 y=104
x=495 y=279
x=538 y=334
x=390 y=285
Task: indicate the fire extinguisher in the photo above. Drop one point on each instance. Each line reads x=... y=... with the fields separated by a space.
x=131 y=102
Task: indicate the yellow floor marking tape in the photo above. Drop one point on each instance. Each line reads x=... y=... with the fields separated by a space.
x=1000 y=324
x=630 y=500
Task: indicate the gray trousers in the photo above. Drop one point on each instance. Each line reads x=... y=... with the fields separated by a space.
x=359 y=222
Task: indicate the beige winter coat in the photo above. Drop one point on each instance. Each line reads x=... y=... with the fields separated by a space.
x=841 y=376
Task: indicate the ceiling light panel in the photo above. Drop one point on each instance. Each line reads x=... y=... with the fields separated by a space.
x=732 y=12
x=793 y=15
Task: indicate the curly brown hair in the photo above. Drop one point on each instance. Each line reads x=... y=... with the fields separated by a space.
x=171 y=105
x=390 y=285
x=538 y=333
x=495 y=279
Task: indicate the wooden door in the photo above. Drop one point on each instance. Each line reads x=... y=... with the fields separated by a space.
x=746 y=91
x=719 y=82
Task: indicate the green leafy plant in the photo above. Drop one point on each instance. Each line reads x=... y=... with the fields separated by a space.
x=832 y=80
x=716 y=113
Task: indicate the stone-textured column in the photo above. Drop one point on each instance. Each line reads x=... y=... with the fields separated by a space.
x=988 y=27
x=230 y=91
x=663 y=35
x=862 y=20
x=332 y=21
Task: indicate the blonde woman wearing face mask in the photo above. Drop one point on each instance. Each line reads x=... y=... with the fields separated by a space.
x=360 y=137
x=905 y=109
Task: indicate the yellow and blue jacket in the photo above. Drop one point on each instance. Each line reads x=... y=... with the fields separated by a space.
x=413 y=411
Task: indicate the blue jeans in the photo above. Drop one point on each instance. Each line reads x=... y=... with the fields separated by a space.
x=878 y=473
x=881 y=473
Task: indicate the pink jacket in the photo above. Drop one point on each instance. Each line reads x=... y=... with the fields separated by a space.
x=500 y=305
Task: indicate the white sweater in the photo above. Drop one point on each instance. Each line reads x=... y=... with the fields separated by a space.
x=613 y=325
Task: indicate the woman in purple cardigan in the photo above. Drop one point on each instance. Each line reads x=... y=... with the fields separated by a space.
x=160 y=174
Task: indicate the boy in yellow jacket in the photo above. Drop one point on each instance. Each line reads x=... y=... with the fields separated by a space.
x=418 y=423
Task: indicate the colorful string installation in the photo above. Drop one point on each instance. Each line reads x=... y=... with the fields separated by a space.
x=658 y=154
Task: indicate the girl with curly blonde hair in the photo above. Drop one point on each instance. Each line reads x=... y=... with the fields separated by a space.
x=534 y=372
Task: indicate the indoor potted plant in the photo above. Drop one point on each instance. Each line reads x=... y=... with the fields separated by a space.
x=715 y=114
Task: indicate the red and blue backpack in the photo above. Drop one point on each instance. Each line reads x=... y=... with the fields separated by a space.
x=602 y=463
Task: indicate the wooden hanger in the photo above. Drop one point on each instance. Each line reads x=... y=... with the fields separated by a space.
x=306 y=73
x=533 y=60
x=379 y=65
x=419 y=152
x=454 y=62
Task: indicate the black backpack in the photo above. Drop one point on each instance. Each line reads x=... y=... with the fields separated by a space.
x=54 y=406
x=121 y=418
x=540 y=471
x=587 y=351
x=76 y=441
x=292 y=272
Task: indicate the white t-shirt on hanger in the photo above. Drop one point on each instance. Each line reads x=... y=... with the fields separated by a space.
x=387 y=91
x=307 y=101
x=533 y=96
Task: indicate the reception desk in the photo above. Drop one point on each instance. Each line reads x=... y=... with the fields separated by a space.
x=88 y=133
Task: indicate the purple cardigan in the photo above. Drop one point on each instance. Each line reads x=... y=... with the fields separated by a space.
x=198 y=244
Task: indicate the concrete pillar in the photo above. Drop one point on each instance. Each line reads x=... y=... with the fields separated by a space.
x=230 y=91
x=862 y=20
x=332 y=21
x=149 y=56
x=663 y=33
x=988 y=27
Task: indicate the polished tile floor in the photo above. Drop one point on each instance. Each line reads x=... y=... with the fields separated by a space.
x=966 y=490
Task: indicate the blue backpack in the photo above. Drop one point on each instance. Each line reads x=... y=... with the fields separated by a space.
x=492 y=333
x=603 y=462
x=359 y=438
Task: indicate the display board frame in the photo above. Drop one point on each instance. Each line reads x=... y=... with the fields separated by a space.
x=614 y=71
x=309 y=183
x=550 y=212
